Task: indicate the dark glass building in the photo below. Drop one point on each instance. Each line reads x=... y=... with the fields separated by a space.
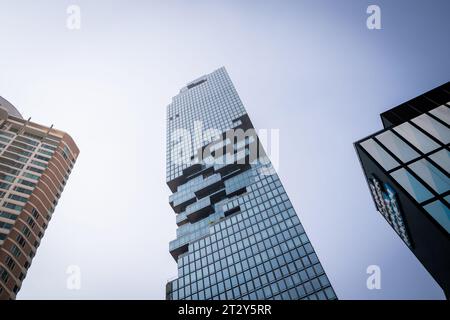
x=407 y=167
x=238 y=236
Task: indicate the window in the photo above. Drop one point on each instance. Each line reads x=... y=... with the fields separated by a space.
x=10 y=263
x=4 y=275
x=440 y=212
x=433 y=127
x=378 y=153
x=15 y=251
x=431 y=175
x=411 y=185
x=4 y=225
x=418 y=139
x=12 y=206
x=397 y=146
x=442 y=158
x=442 y=113
x=21 y=241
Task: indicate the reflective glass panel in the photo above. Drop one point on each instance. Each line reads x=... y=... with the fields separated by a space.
x=381 y=156
x=397 y=146
x=433 y=127
x=440 y=213
x=418 y=139
x=442 y=113
x=442 y=158
x=431 y=175
x=411 y=185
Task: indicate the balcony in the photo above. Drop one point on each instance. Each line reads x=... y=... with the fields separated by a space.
x=180 y=200
x=209 y=185
x=199 y=210
x=181 y=218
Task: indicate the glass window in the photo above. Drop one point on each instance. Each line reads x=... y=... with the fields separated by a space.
x=442 y=158
x=416 y=137
x=378 y=153
x=431 y=175
x=433 y=127
x=397 y=146
x=442 y=113
x=440 y=213
x=411 y=185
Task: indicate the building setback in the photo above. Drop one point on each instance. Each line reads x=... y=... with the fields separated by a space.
x=35 y=163
x=407 y=167
x=238 y=236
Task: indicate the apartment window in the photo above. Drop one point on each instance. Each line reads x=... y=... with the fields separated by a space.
x=5 y=225
x=21 y=241
x=17 y=198
x=15 y=251
x=35 y=213
x=23 y=190
x=12 y=206
x=26 y=232
x=4 y=275
x=10 y=263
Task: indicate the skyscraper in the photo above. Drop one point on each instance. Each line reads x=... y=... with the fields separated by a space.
x=35 y=163
x=238 y=236
x=407 y=166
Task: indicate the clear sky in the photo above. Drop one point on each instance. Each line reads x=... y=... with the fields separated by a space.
x=310 y=68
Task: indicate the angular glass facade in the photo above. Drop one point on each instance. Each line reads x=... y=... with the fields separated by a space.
x=416 y=155
x=238 y=235
x=408 y=164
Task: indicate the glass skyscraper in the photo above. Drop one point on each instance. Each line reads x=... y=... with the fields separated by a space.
x=238 y=236
x=407 y=167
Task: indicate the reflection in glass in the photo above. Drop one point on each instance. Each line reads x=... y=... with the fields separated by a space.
x=411 y=185
x=440 y=213
x=433 y=127
x=442 y=158
x=442 y=113
x=418 y=139
x=431 y=175
x=381 y=156
x=397 y=146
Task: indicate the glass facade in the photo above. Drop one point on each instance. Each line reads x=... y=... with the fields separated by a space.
x=415 y=154
x=407 y=167
x=238 y=235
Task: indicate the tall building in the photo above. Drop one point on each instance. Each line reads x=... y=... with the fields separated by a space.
x=407 y=166
x=238 y=236
x=35 y=163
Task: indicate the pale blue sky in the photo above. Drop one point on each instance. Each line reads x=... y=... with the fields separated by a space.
x=310 y=68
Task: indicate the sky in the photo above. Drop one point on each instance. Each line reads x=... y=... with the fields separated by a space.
x=309 y=68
